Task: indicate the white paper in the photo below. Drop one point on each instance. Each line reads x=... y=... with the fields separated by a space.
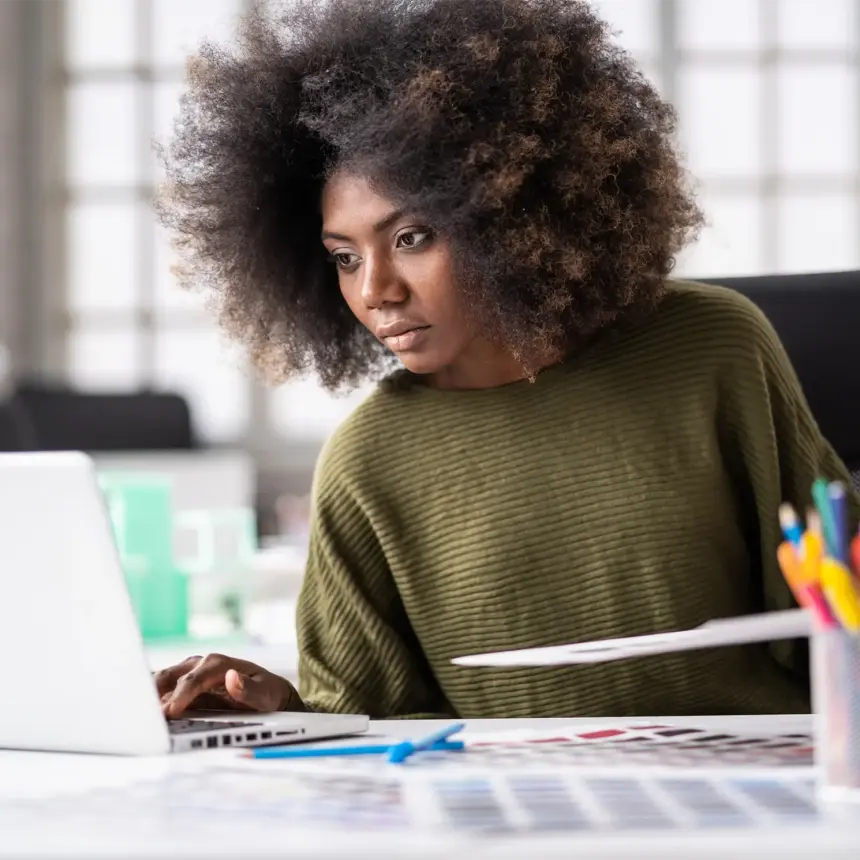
x=765 y=627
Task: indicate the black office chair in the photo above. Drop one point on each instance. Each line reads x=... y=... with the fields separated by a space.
x=16 y=432
x=65 y=419
x=817 y=317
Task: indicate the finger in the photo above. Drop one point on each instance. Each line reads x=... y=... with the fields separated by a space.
x=220 y=701
x=165 y=680
x=205 y=676
x=215 y=701
x=256 y=691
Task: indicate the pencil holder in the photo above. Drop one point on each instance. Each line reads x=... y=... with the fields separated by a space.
x=836 y=701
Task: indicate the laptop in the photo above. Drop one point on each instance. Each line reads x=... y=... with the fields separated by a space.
x=75 y=674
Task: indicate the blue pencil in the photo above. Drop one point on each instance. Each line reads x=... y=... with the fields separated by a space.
x=839 y=507
x=327 y=752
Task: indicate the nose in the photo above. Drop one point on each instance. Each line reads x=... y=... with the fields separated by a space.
x=382 y=284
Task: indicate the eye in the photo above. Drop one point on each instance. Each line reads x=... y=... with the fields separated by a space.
x=413 y=237
x=344 y=260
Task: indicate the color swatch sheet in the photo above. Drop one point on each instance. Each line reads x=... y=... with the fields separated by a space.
x=643 y=745
x=593 y=781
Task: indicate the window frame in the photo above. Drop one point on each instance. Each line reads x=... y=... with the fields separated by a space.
x=50 y=321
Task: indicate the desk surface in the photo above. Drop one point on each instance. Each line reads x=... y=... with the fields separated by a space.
x=38 y=775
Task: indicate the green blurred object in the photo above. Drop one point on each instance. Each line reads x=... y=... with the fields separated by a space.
x=224 y=545
x=141 y=512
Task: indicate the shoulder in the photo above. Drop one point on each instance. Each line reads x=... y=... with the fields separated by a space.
x=713 y=322
x=731 y=336
x=720 y=309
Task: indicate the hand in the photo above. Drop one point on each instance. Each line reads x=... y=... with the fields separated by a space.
x=216 y=682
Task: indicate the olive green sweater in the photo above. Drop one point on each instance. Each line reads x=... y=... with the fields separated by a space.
x=630 y=491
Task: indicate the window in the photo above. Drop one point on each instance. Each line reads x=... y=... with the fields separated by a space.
x=767 y=97
x=124 y=322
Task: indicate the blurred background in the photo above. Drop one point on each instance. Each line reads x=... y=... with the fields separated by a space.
x=108 y=355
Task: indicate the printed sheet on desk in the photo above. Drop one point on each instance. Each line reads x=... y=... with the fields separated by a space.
x=591 y=781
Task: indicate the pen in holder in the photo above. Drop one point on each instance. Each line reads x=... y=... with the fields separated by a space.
x=836 y=702
x=821 y=564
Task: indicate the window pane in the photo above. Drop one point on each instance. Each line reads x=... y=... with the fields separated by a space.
x=168 y=297
x=103 y=255
x=99 y=33
x=718 y=24
x=103 y=359
x=165 y=109
x=818 y=233
x=730 y=244
x=180 y=25
x=818 y=119
x=719 y=111
x=103 y=139
x=822 y=24
x=302 y=409
x=200 y=365
x=635 y=23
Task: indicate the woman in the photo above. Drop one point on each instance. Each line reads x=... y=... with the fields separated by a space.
x=485 y=194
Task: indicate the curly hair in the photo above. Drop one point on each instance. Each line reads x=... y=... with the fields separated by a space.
x=515 y=127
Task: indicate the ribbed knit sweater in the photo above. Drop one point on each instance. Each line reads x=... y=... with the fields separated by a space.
x=631 y=490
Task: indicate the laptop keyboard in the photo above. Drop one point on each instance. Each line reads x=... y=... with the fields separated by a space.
x=183 y=727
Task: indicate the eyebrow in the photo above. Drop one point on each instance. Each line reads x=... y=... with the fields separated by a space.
x=378 y=227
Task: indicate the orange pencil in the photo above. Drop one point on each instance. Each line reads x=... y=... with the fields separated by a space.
x=806 y=589
x=792 y=570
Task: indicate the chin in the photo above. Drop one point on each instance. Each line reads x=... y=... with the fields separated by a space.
x=421 y=364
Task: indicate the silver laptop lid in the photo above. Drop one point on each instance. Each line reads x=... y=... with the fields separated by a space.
x=80 y=681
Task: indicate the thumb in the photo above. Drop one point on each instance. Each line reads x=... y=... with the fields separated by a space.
x=254 y=691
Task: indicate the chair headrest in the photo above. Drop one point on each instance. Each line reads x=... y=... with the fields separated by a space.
x=817 y=317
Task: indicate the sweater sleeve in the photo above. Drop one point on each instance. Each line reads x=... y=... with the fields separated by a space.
x=357 y=650
x=775 y=451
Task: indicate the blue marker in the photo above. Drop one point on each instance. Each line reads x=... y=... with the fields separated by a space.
x=403 y=750
x=328 y=752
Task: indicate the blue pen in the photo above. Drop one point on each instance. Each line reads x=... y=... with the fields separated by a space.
x=790 y=525
x=839 y=507
x=403 y=750
x=328 y=752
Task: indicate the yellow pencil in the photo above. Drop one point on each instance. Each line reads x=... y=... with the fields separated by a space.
x=838 y=587
x=812 y=552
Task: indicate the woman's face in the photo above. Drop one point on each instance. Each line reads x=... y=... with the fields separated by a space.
x=396 y=275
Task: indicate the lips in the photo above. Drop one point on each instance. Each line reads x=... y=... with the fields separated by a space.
x=403 y=335
x=396 y=328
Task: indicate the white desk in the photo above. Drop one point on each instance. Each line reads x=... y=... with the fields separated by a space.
x=35 y=775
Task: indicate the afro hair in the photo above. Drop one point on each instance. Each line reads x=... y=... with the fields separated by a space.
x=516 y=128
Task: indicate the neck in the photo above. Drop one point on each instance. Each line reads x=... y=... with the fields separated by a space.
x=485 y=366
